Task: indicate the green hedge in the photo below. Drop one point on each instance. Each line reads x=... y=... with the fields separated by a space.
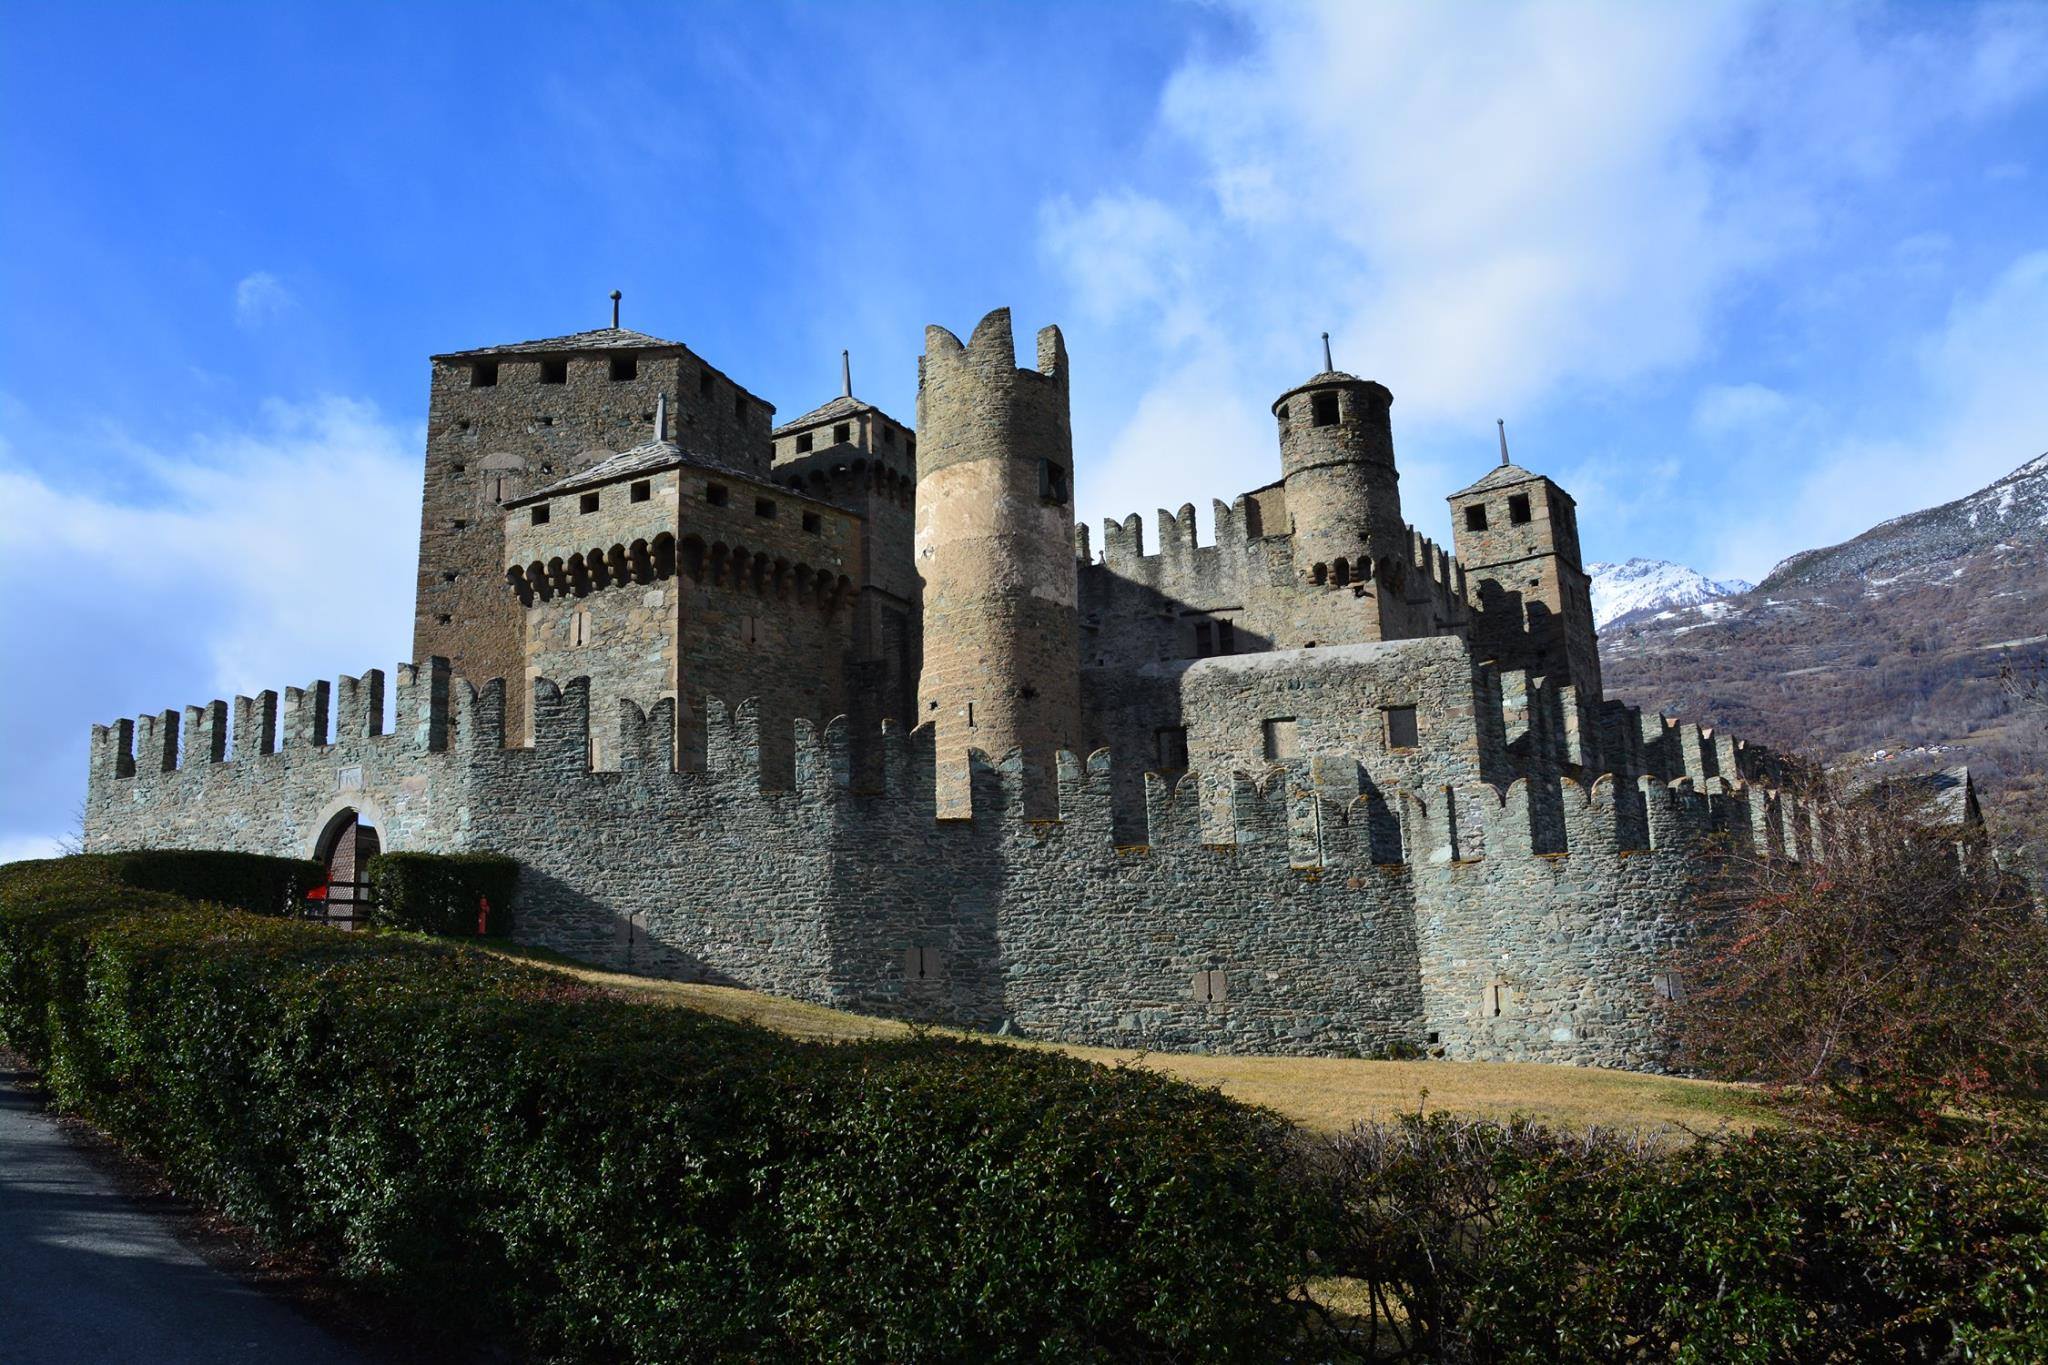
x=507 y=1148
x=247 y=881
x=1509 y=1242
x=439 y=892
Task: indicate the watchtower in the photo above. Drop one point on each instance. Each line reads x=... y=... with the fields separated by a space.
x=1517 y=534
x=1343 y=492
x=994 y=545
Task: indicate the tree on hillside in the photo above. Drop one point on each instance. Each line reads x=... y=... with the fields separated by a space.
x=1901 y=974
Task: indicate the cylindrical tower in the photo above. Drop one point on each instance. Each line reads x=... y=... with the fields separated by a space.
x=995 y=546
x=1343 y=494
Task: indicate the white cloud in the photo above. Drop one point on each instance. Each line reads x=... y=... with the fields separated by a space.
x=1984 y=413
x=259 y=297
x=285 y=546
x=1492 y=207
x=1724 y=408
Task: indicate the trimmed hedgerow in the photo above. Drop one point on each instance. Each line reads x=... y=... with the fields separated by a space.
x=501 y=1146
x=247 y=881
x=442 y=893
x=1480 y=1241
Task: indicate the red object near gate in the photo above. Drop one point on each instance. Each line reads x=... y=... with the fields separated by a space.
x=318 y=893
x=483 y=915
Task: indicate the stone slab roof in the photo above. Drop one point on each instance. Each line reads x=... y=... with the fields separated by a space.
x=1500 y=476
x=842 y=406
x=641 y=459
x=602 y=339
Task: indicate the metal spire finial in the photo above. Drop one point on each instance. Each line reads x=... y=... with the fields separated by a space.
x=1502 y=423
x=661 y=417
x=1327 y=365
x=616 y=296
x=845 y=375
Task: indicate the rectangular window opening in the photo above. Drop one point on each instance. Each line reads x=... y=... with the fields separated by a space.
x=704 y=383
x=814 y=523
x=739 y=407
x=716 y=494
x=540 y=515
x=804 y=444
x=643 y=489
x=1172 y=748
x=483 y=374
x=1322 y=409
x=1402 y=732
x=1475 y=517
x=764 y=507
x=1283 y=738
x=1226 y=637
x=1518 y=509
x=625 y=367
x=888 y=436
x=589 y=503
x=842 y=433
x=1205 y=639
x=1052 y=482
x=554 y=372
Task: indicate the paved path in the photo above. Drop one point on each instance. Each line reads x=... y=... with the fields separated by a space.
x=88 y=1275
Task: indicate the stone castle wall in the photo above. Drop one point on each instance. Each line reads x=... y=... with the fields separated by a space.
x=1314 y=921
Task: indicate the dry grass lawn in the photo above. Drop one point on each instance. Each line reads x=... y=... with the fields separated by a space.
x=1318 y=1092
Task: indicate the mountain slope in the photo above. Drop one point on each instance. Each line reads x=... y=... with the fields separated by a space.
x=1883 y=649
x=1622 y=591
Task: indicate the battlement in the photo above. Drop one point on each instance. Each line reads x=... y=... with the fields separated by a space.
x=717 y=564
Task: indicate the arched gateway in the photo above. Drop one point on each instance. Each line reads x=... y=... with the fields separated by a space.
x=346 y=846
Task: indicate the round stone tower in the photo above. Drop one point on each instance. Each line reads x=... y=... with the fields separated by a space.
x=1337 y=460
x=995 y=547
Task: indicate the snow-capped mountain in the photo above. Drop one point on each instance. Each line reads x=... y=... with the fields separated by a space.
x=1647 y=585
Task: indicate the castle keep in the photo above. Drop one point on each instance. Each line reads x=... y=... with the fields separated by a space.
x=852 y=711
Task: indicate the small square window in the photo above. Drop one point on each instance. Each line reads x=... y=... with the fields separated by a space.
x=483 y=374
x=445 y=618
x=540 y=514
x=1401 y=728
x=450 y=575
x=814 y=523
x=589 y=503
x=842 y=433
x=554 y=372
x=643 y=489
x=625 y=367
x=459 y=524
x=1172 y=745
x=1518 y=508
x=1475 y=517
x=716 y=494
x=1283 y=738
x=804 y=444
x=1322 y=409
x=764 y=507
x=458 y=467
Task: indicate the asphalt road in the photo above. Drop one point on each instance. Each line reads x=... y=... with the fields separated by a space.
x=86 y=1274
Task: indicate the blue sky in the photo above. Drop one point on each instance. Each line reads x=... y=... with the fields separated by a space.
x=1746 y=278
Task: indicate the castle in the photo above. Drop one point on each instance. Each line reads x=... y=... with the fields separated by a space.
x=1319 y=787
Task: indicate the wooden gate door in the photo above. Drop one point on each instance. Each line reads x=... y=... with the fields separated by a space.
x=349 y=898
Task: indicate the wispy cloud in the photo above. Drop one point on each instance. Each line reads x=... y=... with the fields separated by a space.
x=1495 y=208
x=259 y=297
x=228 y=562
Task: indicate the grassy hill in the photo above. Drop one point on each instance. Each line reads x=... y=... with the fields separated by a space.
x=1321 y=1093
